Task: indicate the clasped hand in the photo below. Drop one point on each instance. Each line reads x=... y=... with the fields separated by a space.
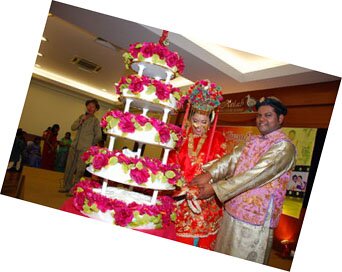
x=204 y=187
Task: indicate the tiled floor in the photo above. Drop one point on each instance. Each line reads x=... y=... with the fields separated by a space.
x=41 y=187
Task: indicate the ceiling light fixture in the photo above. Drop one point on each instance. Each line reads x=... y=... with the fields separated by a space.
x=242 y=61
x=40 y=54
x=44 y=39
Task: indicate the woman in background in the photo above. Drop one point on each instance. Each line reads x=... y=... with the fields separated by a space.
x=62 y=153
x=50 y=148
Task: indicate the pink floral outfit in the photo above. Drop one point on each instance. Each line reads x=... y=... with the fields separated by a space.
x=251 y=182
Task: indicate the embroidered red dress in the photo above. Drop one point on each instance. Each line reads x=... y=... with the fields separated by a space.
x=198 y=228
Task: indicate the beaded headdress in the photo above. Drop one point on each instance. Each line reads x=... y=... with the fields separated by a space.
x=205 y=95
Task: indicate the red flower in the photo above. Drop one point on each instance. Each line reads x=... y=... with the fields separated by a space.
x=137 y=85
x=172 y=59
x=141 y=119
x=147 y=50
x=164 y=134
x=85 y=156
x=100 y=160
x=134 y=50
x=139 y=176
x=152 y=165
x=162 y=90
x=125 y=123
x=123 y=217
x=123 y=159
x=161 y=51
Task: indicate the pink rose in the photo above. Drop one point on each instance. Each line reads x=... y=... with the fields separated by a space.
x=152 y=165
x=139 y=176
x=136 y=87
x=100 y=160
x=162 y=51
x=180 y=66
x=156 y=123
x=175 y=128
x=141 y=119
x=85 y=156
x=123 y=217
x=123 y=159
x=162 y=91
x=164 y=134
x=133 y=50
x=147 y=50
x=145 y=80
x=125 y=123
x=172 y=59
x=103 y=123
x=116 y=113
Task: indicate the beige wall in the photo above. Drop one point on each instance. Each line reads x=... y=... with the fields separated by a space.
x=47 y=104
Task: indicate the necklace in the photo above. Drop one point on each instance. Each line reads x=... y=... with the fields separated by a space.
x=191 y=151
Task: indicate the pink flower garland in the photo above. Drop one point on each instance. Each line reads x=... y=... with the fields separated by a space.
x=147 y=50
x=136 y=85
x=123 y=213
x=127 y=123
x=141 y=169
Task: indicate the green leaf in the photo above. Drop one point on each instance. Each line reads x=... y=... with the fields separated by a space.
x=113 y=160
x=156 y=100
x=164 y=179
x=125 y=168
x=174 y=136
x=173 y=217
x=79 y=190
x=139 y=165
x=86 y=208
x=123 y=86
x=176 y=95
x=170 y=174
x=94 y=208
x=113 y=122
x=162 y=62
x=140 y=57
x=148 y=126
x=138 y=126
x=155 y=58
x=180 y=182
x=151 y=89
x=157 y=138
x=153 y=177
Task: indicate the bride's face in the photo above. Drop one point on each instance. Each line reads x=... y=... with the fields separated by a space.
x=200 y=124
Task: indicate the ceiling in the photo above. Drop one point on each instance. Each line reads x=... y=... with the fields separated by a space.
x=74 y=32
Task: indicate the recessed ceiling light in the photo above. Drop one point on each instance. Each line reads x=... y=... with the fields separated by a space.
x=44 y=39
x=40 y=54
